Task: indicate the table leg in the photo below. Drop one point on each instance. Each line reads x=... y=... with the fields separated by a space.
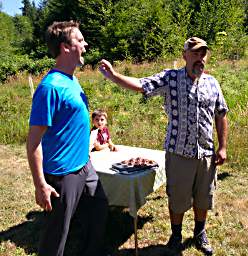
x=135 y=235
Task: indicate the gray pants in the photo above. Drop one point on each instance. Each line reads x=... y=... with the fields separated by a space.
x=81 y=189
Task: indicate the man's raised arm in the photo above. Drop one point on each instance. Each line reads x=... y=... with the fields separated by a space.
x=127 y=82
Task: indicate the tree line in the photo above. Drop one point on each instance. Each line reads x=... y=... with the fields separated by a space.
x=140 y=30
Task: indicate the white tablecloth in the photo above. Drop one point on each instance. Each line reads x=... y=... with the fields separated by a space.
x=129 y=190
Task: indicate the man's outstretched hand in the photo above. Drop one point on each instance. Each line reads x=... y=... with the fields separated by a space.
x=106 y=68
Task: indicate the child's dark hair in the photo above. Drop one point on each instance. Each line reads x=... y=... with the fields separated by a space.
x=99 y=112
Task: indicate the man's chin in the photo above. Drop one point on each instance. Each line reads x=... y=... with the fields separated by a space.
x=81 y=62
x=197 y=72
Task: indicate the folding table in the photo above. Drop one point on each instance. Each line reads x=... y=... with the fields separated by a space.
x=129 y=190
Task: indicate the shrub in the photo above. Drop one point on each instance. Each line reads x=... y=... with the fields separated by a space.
x=15 y=64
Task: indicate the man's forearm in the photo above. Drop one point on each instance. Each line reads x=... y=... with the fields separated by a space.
x=43 y=191
x=127 y=82
x=35 y=164
x=34 y=154
x=222 y=131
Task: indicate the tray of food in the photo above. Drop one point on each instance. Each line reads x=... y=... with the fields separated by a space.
x=133 y=165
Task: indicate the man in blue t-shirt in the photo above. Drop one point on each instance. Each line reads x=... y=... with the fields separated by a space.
x=58 y=149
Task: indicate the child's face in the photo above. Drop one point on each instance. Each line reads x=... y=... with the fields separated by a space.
x=100 y=121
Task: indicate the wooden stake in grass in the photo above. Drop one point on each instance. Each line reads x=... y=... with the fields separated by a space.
x=31 y=85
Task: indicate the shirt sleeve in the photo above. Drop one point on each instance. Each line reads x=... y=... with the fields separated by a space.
x=221 y=107
x=43 y=106
x=155 y=84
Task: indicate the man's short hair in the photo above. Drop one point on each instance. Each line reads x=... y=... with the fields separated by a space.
x=99 y=112
x=194 y=43
x=57 y=33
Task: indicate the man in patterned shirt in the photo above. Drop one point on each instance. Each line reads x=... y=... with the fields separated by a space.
x=193 y=101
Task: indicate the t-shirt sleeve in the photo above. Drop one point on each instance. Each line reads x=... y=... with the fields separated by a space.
x=43 y=106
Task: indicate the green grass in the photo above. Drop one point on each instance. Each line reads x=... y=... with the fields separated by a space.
x=132 y=121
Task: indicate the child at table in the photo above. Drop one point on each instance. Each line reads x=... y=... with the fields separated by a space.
x=100 y=136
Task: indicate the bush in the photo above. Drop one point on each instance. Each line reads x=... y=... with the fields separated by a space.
x=15 y=64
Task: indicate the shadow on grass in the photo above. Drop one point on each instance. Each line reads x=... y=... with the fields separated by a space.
x=120 y=228
x=223 y=175
x=26 y=234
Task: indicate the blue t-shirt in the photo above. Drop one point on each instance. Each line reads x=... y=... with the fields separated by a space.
x=60 y=103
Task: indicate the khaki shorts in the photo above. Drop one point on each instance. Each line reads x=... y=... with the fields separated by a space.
x=190 y=182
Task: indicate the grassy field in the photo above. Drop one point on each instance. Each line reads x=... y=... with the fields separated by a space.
x=132 y=121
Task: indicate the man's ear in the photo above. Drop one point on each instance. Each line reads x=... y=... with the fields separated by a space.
x=64 y=48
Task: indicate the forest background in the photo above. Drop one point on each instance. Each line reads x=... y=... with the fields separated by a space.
x=137 y=31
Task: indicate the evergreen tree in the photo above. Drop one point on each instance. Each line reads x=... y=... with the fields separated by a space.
x=26 y=9
x=29 y=10
x=138 y=30
x=91 y=14
x=24 y=33
x=7 y=34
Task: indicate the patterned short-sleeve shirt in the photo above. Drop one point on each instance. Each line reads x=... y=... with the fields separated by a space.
x=191 y=108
